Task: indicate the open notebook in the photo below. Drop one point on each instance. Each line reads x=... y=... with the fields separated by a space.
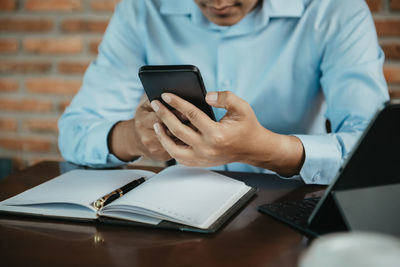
x=185 y=198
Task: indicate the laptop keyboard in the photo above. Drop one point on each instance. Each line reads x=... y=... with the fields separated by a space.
x=292 y=212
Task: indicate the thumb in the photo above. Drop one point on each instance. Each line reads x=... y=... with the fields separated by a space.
x=226 y=100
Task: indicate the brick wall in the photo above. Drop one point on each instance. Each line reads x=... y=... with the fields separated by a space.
x=46 y=45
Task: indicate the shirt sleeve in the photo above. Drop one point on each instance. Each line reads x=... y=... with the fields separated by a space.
x=353 y=85
x=110 y=92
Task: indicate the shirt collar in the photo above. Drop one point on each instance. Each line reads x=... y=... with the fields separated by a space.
x=286 y=8
x=253 y=21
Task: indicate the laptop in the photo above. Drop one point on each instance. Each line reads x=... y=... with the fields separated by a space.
x=365 y=195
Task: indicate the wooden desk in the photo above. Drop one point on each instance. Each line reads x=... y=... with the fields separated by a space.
x=248 y=239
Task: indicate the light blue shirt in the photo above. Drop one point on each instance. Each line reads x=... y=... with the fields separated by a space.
x=283 y=58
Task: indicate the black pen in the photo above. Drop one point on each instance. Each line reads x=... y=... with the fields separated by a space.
x=103 y=201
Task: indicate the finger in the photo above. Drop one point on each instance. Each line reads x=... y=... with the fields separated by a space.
x=179 y=115
x=146 y=120
x=156 y=152
x=197 y=117
x=144 y=98
x=176 y=151
x=226 y=100
x=174 y=125
x=145 y=103
x=151 y=118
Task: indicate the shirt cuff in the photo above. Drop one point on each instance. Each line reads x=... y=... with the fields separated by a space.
x=100 y=155
x=323 y=158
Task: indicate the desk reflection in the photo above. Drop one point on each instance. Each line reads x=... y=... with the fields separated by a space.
x=131 y=246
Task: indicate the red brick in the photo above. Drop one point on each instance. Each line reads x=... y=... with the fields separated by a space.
x=8 y=5
x=8 y=125
x=41 y=125
x=63 y=105
x=392 y=73
x=52 y=86
x=104 y=5
x=73 y=67
x=392 y=50
x=94 y=46
x=8 y=85
x=84 y=25
x=25 y=105
x=53 y=5
x=395 y=5
x=24 y=67
x=25 y=25
x=394 y=94
x=25 y=144
x=18 y=163
x=388 y=27
x=374 y=5
x=8 y=46
x=53 y=46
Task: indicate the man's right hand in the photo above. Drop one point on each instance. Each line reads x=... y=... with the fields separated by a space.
x=136 y=137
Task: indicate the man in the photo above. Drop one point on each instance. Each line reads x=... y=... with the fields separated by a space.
x=265 y=65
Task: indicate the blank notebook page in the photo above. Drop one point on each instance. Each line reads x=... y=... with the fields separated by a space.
x=77 y=186
x=191 y=195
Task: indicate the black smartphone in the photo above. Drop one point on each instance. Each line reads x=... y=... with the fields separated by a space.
x=184 y=81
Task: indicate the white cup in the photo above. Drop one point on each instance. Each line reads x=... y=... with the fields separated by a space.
x=353 y=249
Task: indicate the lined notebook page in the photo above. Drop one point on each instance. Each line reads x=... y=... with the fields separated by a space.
x=77 y=186
x=192 y=196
